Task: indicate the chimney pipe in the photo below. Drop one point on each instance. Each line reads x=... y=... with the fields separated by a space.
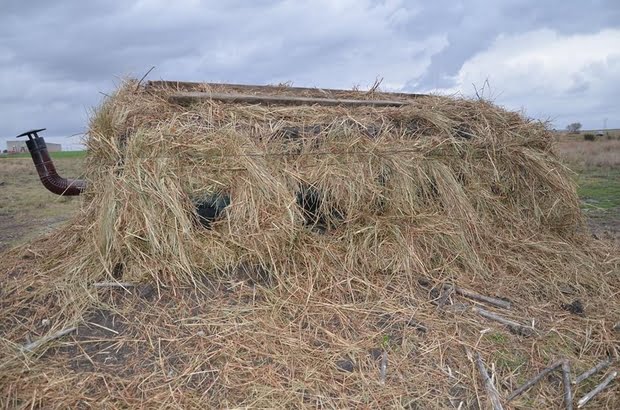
x=46 y=169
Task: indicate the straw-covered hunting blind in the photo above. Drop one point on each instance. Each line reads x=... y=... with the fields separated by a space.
x=266 y=169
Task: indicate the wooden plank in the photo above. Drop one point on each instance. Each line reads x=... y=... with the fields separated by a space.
x=190 y=97
x=247 y=88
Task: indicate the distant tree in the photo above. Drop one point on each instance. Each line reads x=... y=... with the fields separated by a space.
x=574 y=127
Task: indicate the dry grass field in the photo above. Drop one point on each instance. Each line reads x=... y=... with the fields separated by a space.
x=27 y=209
x=590 y=154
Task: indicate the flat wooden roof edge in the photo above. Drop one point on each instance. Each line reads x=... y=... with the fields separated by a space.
x=189 y=97
x=188 y=86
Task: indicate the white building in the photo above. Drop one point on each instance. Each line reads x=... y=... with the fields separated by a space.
x=20 y=146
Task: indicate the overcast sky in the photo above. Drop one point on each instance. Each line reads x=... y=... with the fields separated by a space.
x=557 y=60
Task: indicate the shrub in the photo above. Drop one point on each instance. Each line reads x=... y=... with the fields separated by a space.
x=589 y=137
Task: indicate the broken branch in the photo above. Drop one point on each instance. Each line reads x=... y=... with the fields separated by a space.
x=487 y=299
x=113 y=285
x=528 y=384
x=36 y=344
x=582 y=402
x=602 y=365
x=568 y=395
x=517 y=327
x=383 y=369
x=488 y=384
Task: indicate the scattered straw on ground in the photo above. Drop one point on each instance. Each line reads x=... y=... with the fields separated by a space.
x=274 y=305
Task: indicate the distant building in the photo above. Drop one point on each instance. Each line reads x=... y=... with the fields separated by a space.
x=20 y=146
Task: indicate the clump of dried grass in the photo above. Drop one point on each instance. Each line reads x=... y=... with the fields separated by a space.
x=263 y=309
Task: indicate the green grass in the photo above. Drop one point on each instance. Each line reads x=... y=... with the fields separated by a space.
x=599 y=188
x=54 y=155
x=497 y=338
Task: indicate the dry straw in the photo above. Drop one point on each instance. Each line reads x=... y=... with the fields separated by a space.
x=274 y=305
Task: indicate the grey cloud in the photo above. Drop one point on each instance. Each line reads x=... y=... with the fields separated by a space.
x=56 y=56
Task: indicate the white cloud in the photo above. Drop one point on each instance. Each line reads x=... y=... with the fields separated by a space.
x=562 y=77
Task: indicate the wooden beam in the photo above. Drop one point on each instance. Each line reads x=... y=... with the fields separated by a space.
x=247 y=89
x=191 y=97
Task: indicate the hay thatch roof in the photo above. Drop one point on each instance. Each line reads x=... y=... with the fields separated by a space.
x=336 y=267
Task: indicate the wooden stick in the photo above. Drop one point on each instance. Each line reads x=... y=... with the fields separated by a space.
x=582 y=402
x=189 y=97
x=602 y=365
x=496 y=402
x=524 y=330
x=144 y=76
x=528 y=384
x=383 y=368
x=568 y=395
x=113 y=284
x=37 y=343
x=487 y=299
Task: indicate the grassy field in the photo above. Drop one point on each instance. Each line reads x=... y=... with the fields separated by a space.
x=27 y=209
x=597 y=171
x=54 y=155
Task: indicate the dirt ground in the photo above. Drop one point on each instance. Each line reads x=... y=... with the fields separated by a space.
x=606 y=227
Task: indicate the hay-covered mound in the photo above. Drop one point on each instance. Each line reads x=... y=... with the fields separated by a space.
x=291 y=255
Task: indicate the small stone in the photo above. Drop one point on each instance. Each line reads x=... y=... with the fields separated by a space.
x=200 y=333
x=45 y=322
x=424 y=282
x=419 y=326
x=376 y=353
x=576 y=307
x=146 y=291
x=345 y=365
